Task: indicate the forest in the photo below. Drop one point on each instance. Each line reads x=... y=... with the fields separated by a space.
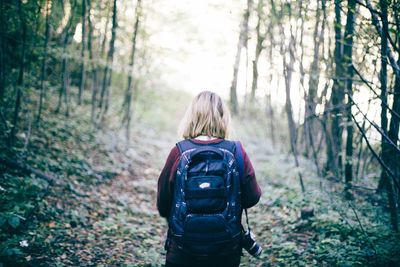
x=92 y=92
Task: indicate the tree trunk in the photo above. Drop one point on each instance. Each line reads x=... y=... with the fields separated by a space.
x=104 y=41
x=128 y=94
x=287 y=73
x=302 y=72
x=270 y=110
x=383 y=81
x=20 y=81
x=2 y=51
x=311 y=96
x=64 y=88
x=259 y=48
x=83 y=52
x=102 y=54
x=104 y=96
x=393 y=162
x=348 y=54
x=360 y=151
x=64 y=80
x=334 y=156
x=44 y=63
x=289 y=112
x=93 y=65
x=387 y=151
x=242 y=43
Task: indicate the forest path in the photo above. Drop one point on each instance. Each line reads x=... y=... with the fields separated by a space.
x=117 y=221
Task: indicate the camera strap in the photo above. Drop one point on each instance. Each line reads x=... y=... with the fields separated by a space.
x=247 y=220
x=239 y=157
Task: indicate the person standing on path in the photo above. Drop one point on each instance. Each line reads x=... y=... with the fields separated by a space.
x=203 y=205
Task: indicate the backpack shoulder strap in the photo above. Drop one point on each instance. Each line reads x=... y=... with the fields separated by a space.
x=227 y=144
x=239 y=158
x=185 y=145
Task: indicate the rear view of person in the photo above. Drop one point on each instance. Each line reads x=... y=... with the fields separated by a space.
x=203 y=188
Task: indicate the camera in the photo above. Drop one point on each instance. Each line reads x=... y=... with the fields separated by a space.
x=250 y=245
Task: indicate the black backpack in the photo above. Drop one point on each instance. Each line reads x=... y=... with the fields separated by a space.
x=206 y=209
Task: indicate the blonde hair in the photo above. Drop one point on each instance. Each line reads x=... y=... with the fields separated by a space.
x=206 y=115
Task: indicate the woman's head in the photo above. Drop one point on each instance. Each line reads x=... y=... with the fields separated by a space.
x=206 y=115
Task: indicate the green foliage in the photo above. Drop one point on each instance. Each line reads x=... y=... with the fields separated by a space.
x=58 y=147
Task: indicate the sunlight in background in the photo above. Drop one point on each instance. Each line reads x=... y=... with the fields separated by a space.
x=197 y=41
x=193 y=46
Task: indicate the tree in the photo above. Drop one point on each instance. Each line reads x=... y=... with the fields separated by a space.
x=347 y=57
x=243 y=36
x=65 y=75
x=104 y=97
x=44 y=62
x=259 y=48
x=387 y=153
x=91 y=60
x=269 y=108
x=128 y=94
x=83 y=52
x=20 y=81
x=288 y=51
x=334 y=129
x=313 y=82
x=2 y=51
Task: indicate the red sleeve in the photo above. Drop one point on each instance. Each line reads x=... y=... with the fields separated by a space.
x=251 y=191
x=165 y=189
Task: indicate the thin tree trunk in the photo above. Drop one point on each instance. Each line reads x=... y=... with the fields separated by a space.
x=360 y=152
x=310 y=97
x=259 y=48
x=303 y=17
x=104 y=96
x=2 y=50
x=64 y=77
x=83 y=52
x=20 y=81
x=313 y=131
x=102 y=54
x=348 y=55
x=64 y=88
x=287 y=73
x=383 y=80
x=242 y=43
x=289 y=111
x=269 y=108
x=104 y=41
x=44 y=63
x=128 y=94
x=93 y=65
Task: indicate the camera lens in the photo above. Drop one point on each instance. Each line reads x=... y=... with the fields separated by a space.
x=255 y=250
x=250 y=245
